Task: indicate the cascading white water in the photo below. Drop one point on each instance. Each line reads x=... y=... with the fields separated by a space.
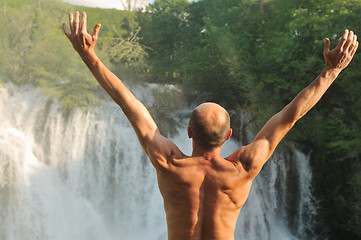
x=266 y=214
x=83 y=175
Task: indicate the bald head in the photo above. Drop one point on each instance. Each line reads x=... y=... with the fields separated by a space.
x=209 y=125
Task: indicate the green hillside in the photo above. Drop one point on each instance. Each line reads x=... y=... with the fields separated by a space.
x=35 y=50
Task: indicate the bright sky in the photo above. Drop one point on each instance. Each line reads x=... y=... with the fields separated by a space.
x=103 y=3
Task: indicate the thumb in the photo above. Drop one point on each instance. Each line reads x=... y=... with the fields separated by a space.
x=327 y=44
x=96 y=30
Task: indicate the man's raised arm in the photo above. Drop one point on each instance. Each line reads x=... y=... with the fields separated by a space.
x=156 y=146
x=254 y=155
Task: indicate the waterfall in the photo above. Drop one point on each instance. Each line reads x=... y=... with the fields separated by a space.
x=82 y=175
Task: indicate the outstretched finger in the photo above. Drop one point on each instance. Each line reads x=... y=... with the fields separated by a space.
x=353 y=42
x=353 y=51
x=353 y=46
x=96 y=31
x=326 y=46
x=71 y=22
x=66 y=31
x=83 y=23
x=343 y=39
x=349 y=42
x=76 y=23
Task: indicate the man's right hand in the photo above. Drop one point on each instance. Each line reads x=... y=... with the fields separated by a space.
x=339 y=57
x=82 y=41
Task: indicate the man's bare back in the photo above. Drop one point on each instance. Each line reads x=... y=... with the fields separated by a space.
x=202 y=197
x=203 y=194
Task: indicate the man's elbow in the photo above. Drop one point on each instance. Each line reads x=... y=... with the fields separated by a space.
x=290 y=115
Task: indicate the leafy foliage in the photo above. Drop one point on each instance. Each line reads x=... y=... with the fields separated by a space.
x=259 y=55
x=34 y=49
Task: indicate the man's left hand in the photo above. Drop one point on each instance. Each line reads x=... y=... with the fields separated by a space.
x=82 y=41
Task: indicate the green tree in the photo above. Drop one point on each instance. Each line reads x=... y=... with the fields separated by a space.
x=162 y=26
x=128 y=54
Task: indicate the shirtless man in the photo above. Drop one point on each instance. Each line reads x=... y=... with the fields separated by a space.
x=204 y=193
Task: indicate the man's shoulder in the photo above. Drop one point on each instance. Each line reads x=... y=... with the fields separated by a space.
x=251 y=157
x=163 y=151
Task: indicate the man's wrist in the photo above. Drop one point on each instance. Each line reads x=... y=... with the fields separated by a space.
x=332 y=73
x=89 y=57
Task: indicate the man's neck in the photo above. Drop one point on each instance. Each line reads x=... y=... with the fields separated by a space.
x=199 y=151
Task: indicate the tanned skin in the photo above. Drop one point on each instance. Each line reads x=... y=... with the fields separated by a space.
x=204 y=193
